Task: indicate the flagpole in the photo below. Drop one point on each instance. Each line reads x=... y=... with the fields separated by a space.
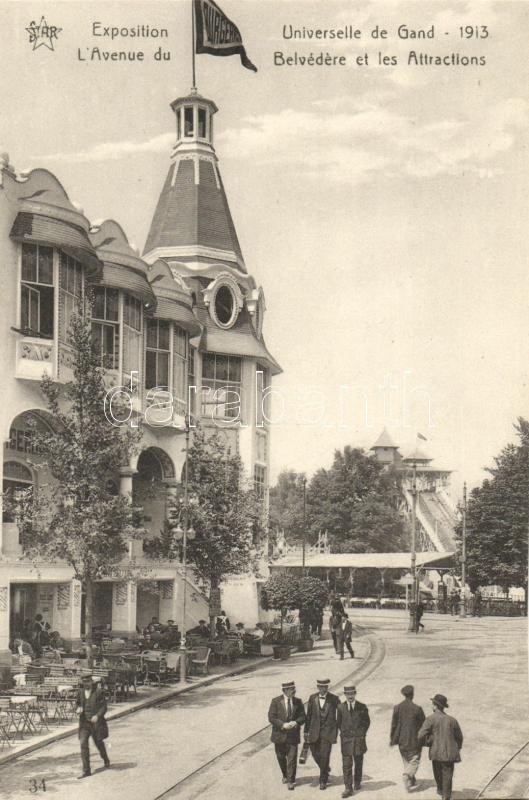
x=194 y=87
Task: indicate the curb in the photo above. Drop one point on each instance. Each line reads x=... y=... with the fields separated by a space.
x=141 y=705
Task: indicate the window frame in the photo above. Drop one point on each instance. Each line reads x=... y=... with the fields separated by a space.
x=39 y=291
x=215 y=384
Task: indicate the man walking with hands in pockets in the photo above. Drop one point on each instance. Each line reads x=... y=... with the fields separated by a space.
x=287 y=715
x=405 y=725
x=321 y=731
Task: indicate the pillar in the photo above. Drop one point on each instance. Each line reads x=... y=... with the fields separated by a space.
x=168 y=601
x=124 y=606
x=5 y=652
x=67 y=612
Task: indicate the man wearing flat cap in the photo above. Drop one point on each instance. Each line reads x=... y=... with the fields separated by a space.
x=353 y=723
x=405 y=725
x=321 y=729
x=287 y=715
x=442 y=734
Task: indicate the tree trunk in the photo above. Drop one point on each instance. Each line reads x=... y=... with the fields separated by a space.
x=212 y=626
x=89 y=617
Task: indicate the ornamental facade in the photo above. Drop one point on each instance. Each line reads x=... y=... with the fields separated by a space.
x=182 y=326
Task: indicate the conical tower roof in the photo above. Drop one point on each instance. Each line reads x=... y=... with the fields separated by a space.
x=192 y=221
x=384 y=440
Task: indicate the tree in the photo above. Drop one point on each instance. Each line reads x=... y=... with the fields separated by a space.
x=356 y=502
x=225 y=515
x=498 y=519
x=286 y=505
x=281 y=592
x=78 y=518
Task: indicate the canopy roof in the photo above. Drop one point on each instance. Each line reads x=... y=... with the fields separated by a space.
x=363 y=560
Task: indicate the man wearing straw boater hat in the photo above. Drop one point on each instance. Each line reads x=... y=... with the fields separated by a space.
x=443 y=736
x=287 y=715
x=320 y=728
x=353 y=722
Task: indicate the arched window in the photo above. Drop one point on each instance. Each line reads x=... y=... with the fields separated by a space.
x=17 y=478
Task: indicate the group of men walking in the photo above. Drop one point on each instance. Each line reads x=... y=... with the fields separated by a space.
x=326 y=715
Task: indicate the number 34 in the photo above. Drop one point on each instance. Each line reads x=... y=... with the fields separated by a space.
x=36 y=785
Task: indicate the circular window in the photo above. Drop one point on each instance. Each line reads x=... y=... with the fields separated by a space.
x=224 y=305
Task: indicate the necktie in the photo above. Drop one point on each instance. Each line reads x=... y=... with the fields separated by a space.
x=350 y=708
x=289 y=710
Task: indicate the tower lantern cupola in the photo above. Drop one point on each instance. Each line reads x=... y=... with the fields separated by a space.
x=194 y=121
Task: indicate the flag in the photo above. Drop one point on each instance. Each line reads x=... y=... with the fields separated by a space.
x=216 y=34
x=420 y=436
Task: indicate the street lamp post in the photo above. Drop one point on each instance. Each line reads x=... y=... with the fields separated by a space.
x=304 y=482
x=184 y=533
x=412 y=625
x=462 y=603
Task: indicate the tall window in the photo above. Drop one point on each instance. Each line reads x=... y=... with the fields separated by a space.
x=221 y=386
x=259 y=481
x=105 y=326
x=179 y=370
x=36 y=291
x=192 y=379
x=188 y=120
x=157 y=354
x=70 y=292
x=132 y=325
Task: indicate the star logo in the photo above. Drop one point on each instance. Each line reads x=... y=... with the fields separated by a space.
x=42 y=34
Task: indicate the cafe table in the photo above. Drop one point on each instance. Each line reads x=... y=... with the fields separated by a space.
x=22 y=703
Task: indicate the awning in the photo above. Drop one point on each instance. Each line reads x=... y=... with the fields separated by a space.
x=364 y=560
x=237 y=341
x=71 y=239
x=117 y=276
x=177 y=312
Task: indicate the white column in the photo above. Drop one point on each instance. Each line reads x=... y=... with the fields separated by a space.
x=5 y=653
x=169 y=601
x=124 y=606
x=67 y=611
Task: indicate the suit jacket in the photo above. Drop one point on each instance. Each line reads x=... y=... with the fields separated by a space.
x=405 y=724
x=277 y=715
x=93 y=706
x=344 y=631
x=322 y=725
x=443 y=735
x=353 y=728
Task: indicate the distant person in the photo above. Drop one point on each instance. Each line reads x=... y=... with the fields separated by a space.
x=337 y=605
x=334 y=623
x=405 y=725
x=477 y=603
x=321 y=729
x=353 y=723
x=420 y=612
x=344 y=633
x=287 y=715
x=202 y=630
x=454 y=602
x=443 y=736
x=38 y=628
x=223 y=623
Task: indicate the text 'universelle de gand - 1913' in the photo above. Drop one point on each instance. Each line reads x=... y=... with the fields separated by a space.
x=379 y=33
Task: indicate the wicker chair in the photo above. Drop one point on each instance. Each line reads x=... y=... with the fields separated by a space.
x=201 y=660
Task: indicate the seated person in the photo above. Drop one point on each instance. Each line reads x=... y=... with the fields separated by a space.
x=240 y=632
x=171 y=635
x=56 y=643
x=24 y=651
x=153 y=626
x=202 y=630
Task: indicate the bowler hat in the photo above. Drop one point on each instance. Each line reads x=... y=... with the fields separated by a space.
x=440 y=700
x=407 y=690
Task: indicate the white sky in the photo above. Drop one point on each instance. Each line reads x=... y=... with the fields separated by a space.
x=382 y=209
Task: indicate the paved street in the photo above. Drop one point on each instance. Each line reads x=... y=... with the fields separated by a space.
x=479 y=664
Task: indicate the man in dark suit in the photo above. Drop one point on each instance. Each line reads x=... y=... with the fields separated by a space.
x=287 y=715
x=442 y=734
x=91 y=708
x=353 y=722
x=321 y=731
x=405 y=725
x=344 y=633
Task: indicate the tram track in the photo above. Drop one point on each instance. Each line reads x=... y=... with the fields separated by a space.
x=203 y=778
x=514 y=773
